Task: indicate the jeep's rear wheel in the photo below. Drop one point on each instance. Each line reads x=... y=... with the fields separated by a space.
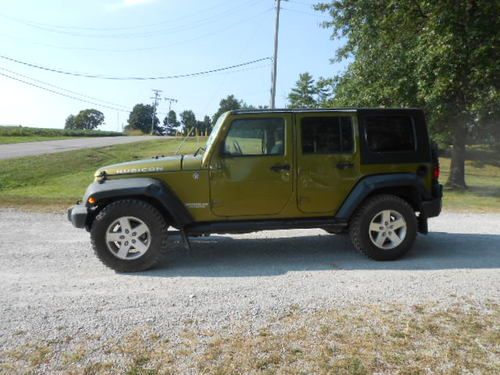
x=129 y=235
x=384 y=228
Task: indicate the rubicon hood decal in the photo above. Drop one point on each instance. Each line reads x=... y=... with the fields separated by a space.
x=139 y=170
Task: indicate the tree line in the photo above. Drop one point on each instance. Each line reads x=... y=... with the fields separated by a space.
x=141 y=119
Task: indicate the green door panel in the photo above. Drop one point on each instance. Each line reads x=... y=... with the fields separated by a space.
x=327 y=162
x=256 y=179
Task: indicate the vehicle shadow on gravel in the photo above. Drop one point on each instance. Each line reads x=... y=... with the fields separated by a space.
x=223 y=256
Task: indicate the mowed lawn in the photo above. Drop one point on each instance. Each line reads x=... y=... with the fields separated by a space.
x=52 y=182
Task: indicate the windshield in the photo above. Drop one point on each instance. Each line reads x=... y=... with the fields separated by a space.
x=215 y=130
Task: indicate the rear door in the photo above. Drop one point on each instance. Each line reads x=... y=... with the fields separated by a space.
x=326 y=160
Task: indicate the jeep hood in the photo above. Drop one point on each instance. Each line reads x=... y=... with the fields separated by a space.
x=154 y=165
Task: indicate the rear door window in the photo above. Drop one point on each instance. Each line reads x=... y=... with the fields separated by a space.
x=326 y=135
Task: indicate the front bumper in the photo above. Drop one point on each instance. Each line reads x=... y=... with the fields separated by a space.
x=78 y=215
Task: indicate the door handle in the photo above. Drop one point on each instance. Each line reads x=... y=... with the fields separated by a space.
x=344 y=165
x=280 y=167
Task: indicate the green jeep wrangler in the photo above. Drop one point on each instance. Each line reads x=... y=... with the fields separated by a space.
x=371 y=173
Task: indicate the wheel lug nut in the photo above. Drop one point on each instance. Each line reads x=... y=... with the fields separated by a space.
x=126 y=231
x=133 y=241
x=134 y=234
x=122 y=237
x=381 y=228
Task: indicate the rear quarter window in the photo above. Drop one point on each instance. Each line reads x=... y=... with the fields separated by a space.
x=390 y=133
x=393 y=136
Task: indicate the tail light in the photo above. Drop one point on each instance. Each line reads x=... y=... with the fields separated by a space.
x=436 y=173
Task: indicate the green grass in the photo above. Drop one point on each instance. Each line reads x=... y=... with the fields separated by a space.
x=359 y=339
x=482 y=176
x=52 y=182
x=19 y=134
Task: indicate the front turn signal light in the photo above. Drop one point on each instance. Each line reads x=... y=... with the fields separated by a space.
x=92 y=200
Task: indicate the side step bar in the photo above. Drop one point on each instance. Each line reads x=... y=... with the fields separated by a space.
x=247 y=226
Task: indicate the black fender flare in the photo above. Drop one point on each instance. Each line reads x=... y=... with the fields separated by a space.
x=369 y=184
x=140 y=187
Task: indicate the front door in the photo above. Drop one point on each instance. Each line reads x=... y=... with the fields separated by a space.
x=326 y=161
x=253 y=173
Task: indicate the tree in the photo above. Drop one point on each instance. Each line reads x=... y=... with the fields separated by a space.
x=228 y=104
x=188 y=120
x=204 y=126
x=70 y=122
x=88 y=119
x=141 y=118
x=304 y=93
x=170 y=123
x=441 y=55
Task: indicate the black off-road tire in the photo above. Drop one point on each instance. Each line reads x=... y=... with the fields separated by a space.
x=360 y=224
x=144 y=211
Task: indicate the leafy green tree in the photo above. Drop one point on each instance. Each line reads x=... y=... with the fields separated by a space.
x=188 y=120
x=441 y=55
x=70 y=122
x=228 y=104
x=88 y=119
x=141 y=118
x=170 y=123
x=303 y=95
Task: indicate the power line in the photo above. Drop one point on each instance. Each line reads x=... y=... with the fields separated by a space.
x=144 y=34
x=66 y=90
x=19 y=20
x=138 y=49
x=99 y=76
x=62 y=94
x=303 y=12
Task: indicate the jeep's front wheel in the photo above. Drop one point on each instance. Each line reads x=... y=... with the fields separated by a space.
x=384 y=228
x=129 y=235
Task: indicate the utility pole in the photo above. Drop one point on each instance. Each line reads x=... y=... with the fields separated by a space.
x=170 y=101
x=275 y=57
x=155 y=98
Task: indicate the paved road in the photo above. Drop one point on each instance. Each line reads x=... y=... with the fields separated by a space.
x=17 y=150
x=52 y=285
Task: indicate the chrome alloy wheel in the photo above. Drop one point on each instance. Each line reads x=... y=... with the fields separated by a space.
x=387 y=229
x=128 y=238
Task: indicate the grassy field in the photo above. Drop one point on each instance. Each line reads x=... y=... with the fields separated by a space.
x=20 y=134
x=51 y=182
x=482 y=169
x=386 y=339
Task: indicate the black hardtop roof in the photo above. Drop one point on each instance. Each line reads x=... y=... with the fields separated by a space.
x=321 y=110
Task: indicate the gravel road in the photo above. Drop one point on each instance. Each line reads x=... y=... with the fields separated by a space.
x=17 y=150
x=53 y=286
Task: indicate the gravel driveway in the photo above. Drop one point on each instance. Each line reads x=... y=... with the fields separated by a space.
x=53 y=286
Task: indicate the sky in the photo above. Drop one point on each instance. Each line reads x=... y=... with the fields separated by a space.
x=151 y=38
